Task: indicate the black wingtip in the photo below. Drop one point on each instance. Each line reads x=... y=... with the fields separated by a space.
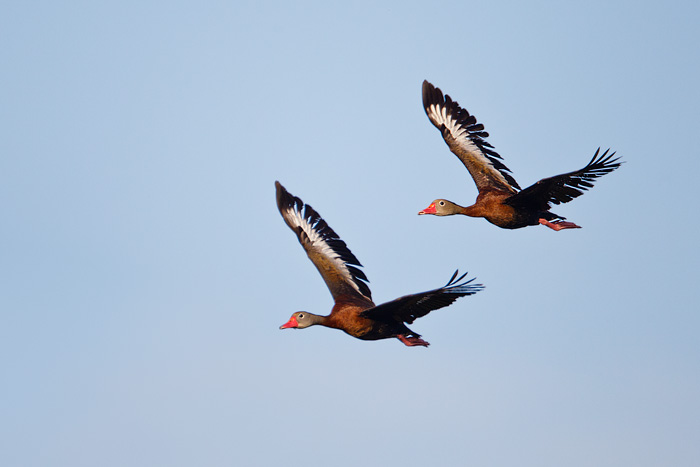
x=455 y=281
x=279 y=191
x=431 y=95
x=602 y=164
x=455 y=285
x=284 y=198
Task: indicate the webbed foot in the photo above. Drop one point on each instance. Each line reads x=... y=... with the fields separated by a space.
x=559 y=225
x=412 y=341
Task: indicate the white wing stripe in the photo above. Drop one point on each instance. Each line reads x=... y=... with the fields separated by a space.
x=461 y=136
x=321 y=245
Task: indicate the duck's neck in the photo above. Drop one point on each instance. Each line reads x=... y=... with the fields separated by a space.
x=317 y=319
x=472 y=211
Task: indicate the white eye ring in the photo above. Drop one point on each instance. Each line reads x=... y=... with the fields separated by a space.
x=441 y=203
x=300 y=315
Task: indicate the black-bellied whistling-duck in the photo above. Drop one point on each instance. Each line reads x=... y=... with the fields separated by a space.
x=500 y=200
x=354 y=312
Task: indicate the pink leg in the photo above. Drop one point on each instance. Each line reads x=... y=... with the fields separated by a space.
x=412 y=341
x=560 y=225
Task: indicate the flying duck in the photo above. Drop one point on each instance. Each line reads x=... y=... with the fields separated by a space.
x=501 y=201
x=354 y=312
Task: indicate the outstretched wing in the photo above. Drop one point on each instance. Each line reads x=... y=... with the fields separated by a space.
x=465 y=138
x=565 y=187
x=325 y=249
x=410 y=307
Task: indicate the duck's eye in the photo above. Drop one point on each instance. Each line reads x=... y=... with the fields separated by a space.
x=300 y=315
x=441 y=203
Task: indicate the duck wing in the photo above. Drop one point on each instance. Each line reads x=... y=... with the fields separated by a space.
x=465 y=138
x=410 y=307
x=565 y=187
x=331 y=256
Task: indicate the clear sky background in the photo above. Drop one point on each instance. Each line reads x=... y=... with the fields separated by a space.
x=145 y=268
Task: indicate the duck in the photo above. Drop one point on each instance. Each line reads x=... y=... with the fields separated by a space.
x=353 y=311
x=501 y=201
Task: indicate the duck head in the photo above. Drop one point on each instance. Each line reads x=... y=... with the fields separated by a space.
x=441 y=207
x=301 y=320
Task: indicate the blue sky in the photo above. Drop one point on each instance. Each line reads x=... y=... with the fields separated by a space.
x=146 y=270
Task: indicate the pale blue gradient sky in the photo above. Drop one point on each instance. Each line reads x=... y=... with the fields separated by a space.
x=145 y=268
